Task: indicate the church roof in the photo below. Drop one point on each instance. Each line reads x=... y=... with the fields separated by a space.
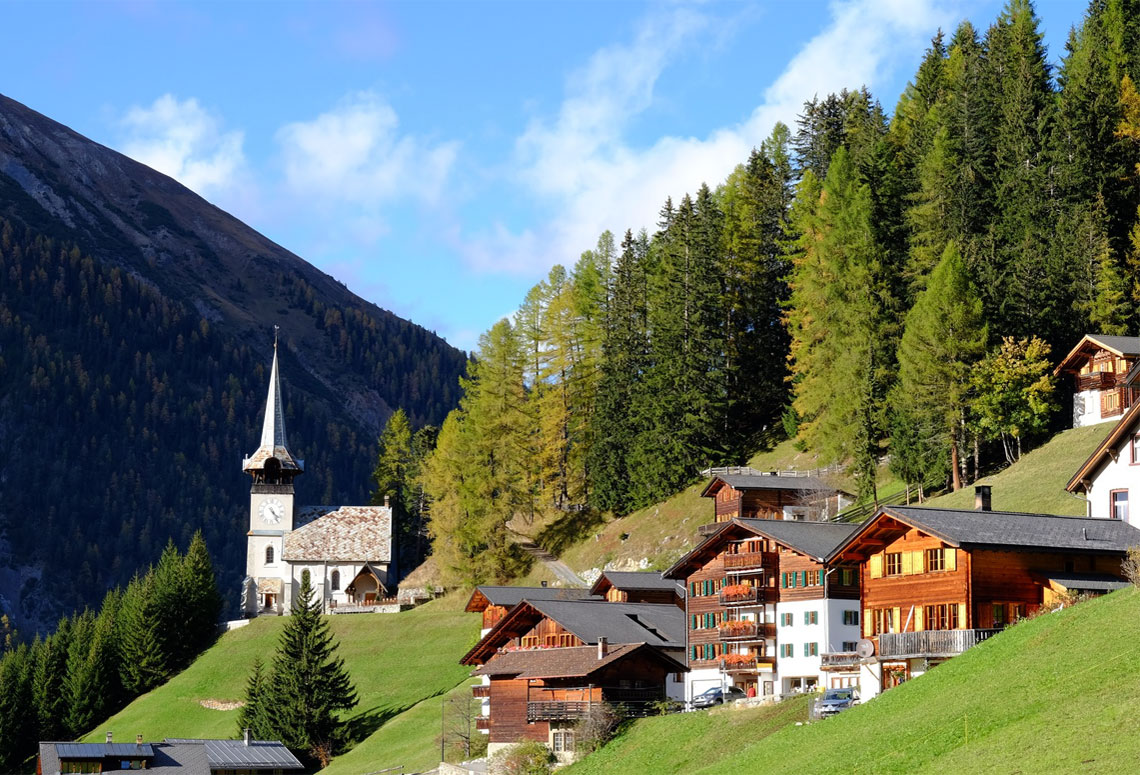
x=349 y=534
x=273 y=429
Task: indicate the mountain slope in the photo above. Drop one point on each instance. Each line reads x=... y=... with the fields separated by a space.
x=1054 y=694
x=136 y=326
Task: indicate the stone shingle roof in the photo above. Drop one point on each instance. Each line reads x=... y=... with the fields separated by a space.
x=657 y=624
x=814 y=539
x=349 y=534
x=573 y=662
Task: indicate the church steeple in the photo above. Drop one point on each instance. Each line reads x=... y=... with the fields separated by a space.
x=272 y=460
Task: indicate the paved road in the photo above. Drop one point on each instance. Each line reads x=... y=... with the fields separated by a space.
x=560 y=569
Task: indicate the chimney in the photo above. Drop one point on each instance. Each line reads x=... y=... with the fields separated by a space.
x=982 y=500
x=603 y=648
x=109 y=737
x=138 y=740
x=246 y=731
x=543 y=584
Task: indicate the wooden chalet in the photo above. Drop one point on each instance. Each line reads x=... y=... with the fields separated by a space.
x=759 y=495
x=493 y=602
x=759 y=598
x=638 y=587
x=579 y=652
x=1100 y=366
x=937 y=581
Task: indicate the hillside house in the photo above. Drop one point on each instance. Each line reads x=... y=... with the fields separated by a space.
x=573 y=653
x=1110 y=478
x=493 y=602
x=934 y=582
x=756 y=495
x=762 y=607
x=638 y=587
x=1100 y=367
x=174 y=756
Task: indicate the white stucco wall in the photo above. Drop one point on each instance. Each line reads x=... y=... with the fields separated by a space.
x=697 y=681
x=1086 y=409
x=1119 y=475
x=829 y=632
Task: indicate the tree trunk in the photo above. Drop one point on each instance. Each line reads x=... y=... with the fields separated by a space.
x=956 y=475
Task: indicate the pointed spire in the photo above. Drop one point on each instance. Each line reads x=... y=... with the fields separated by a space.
x=273 y=443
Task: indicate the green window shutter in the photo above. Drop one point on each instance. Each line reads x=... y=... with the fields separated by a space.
x=783 y=581
x=806 y=654
x=694 y=620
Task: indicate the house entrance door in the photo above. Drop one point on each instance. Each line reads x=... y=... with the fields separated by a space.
x=269 y=600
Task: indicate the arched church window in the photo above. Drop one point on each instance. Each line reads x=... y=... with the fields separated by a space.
x=269 y=555
x=335 y=580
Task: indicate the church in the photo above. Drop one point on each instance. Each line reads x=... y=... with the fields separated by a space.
x=347 y=550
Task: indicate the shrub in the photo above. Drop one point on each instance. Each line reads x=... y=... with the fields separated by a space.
x=596 y=728
x=528 y=757
x=1131 y=566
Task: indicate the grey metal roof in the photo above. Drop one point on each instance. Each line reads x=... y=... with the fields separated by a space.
x=1020 y=529
x=1094 y=582
x=509 y=597
x=776 y=482
x=657 y=624
x=814 y=539
x=235 y=754
x=93 y=750
x=642 y=580
x=1129 y=345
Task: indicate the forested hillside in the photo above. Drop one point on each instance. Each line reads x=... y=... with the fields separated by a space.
x=880 y=286
x=136 y=330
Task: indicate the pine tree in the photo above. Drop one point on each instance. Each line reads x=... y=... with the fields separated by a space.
x=49 y=696
x=201 y=601
x=18 y=728
x=256 y=711
x=945 y=336
x=143 y=659
x=310 y=685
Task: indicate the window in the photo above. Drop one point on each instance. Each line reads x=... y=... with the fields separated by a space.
x=811 y=617
x=1119 y=500
x=847 y=577
x=1135 y=445
x=786 y=619
x=851 y=617
x=893 y=564
x=529 y=641
x=80 y=766
x=849 y=645
x=884 y=620
x=563 y=741
x=786 y=650
x=935 y=560
x=1016 y=611
x=999 y=614
x=811 y=649
x=943 y=616
x=335 y=580
x=269 y=555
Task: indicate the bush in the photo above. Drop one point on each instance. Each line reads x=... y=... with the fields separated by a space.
x=1131 y=566
x=528 y=757
x=596 y=728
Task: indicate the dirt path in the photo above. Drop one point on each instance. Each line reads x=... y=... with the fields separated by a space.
x=560 y=569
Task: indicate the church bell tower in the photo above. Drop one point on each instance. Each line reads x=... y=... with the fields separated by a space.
x=271 y=507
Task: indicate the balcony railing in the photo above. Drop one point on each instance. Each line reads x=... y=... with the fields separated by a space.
x=480 y=692
x=630 y=703
x=745 y=664
x=1097 y=380
x=741 y=630
x=556 y=711
x=751 y=596
x=743 y=561
x=931 y=643
x=839 y=660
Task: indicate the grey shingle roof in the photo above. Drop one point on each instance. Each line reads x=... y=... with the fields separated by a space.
x=1129 y=345
x=773 y=482
x=1020 y=529
x=641 y=580
x=814 y=539
x=572 y=662
x=1092 y=582
x=657 y=624
x=510 y=596
x=235 y=754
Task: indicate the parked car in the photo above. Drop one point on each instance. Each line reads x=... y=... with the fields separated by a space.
x=835 y=700
x=716 y=696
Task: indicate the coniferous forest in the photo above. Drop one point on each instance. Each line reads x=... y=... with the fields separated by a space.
x=884 y=285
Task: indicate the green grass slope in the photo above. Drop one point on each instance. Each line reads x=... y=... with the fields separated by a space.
x=1037 y=482
x=398 y=661
x=1057 y=694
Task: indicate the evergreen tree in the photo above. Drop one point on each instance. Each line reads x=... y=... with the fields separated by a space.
x=144 y=661
x=256 y=711
x=49 y=696
x=392 y=480
x=201 y=600
x=18 y=727
x=309 y=682
x=945 y=336
x=77 y=684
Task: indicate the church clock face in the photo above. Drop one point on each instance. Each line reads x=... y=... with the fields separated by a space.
x=272 y=511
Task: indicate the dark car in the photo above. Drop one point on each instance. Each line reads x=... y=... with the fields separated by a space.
x=716 y=696
x=835 y=700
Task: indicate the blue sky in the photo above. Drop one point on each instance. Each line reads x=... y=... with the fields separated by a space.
x=438 y=157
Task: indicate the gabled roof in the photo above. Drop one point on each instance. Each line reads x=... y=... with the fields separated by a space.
x=1124 y=428
x=656 y=624
x=572 y=662
x=349 y=534
x=799 y=484
x=487 y=595
x=1124 y=346
x=1012 y=530
x=236 y=754
x=636 y=580
x=176 y=756
x=813 y=539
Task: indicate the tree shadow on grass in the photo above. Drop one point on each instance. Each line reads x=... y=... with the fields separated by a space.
x=568 y=530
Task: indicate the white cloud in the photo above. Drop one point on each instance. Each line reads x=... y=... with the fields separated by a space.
x=356 y=154
x=582 y=164
x=186 y=142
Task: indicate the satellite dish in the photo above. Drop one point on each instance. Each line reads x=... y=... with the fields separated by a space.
x=865 y=648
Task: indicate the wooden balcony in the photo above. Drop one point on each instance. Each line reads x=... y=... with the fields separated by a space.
x=482 y=723
x=1096 y=380
x=753 y=596
x=748 y=560
x=480 y=692
x=746 y=664
x=630 y=703
x=743 y=631
x=839 y=660
x=930 y=643
x=556 y=711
